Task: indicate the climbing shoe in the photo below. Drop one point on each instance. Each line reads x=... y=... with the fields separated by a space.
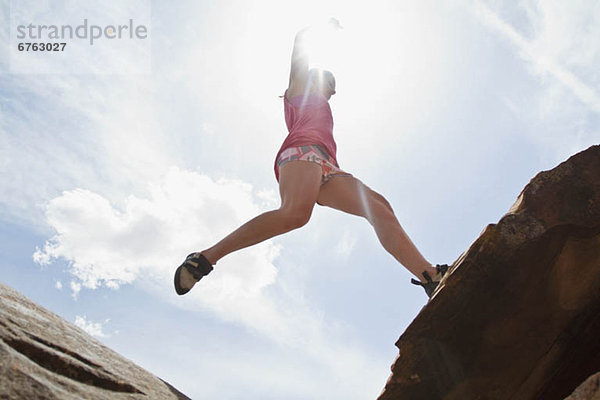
x=190 y=272
x=430 y=285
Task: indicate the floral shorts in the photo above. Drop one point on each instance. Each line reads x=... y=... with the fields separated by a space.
x=312 y=153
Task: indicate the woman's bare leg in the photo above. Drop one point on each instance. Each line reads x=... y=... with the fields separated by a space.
x=299 y=183
x=350 y=195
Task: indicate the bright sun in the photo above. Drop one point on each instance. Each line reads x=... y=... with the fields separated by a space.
x=385 y=49
x=389 y=58
x=382 y=45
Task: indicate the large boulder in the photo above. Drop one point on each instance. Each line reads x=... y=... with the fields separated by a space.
x=42 y=356
x=518 y=317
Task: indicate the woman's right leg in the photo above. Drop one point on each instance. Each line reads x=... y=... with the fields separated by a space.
x=350 y=195
x=299 y=185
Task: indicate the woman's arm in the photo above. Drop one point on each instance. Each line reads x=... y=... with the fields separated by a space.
x=299 y=65
x=300 y=55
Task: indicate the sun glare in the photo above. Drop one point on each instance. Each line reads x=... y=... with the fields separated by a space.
x=389 y=59
x=382 y=48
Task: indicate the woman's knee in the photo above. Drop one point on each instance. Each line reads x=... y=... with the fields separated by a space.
x=295 y=218
x=380 y=208
x=382 y=200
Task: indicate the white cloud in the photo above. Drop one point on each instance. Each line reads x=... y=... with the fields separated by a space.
x=346 y=244
x=567 y=31
x=558 y=42
x=143 y=242
x=75 y=289
x=92 y=328
x=146 y=239
x=187 y=211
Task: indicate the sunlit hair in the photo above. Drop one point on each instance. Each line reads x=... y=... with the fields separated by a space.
x=320 y=77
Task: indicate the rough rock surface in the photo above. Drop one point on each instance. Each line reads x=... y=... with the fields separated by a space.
x=589 y=390
x=42 y=356
x=519 y=315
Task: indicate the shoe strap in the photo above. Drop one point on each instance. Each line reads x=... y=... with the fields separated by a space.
x=198 y=265
x=416 y=282
x=442 y=269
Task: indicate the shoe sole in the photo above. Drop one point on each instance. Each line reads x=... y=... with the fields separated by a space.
x=178 y=289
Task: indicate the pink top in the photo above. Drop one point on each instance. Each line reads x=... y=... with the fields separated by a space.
x=309 y=121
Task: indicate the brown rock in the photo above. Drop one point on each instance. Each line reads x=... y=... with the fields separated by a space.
x=42 y=356
x=519 y=315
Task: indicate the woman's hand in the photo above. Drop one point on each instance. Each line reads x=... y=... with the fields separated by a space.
x=304 y=40
x=335 y=24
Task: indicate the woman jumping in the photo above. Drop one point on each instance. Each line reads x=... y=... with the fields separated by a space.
x=308 y=174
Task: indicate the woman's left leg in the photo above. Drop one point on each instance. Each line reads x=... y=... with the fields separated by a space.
x=348 y=194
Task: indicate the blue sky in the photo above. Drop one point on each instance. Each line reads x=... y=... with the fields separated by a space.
x=119 y=163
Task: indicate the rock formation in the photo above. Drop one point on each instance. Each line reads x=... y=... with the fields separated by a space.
x=588 y=390
x=518 y=317
x=43 y=357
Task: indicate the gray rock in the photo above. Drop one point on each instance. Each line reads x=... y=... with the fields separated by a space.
x=42 y=356
x=588 y=390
